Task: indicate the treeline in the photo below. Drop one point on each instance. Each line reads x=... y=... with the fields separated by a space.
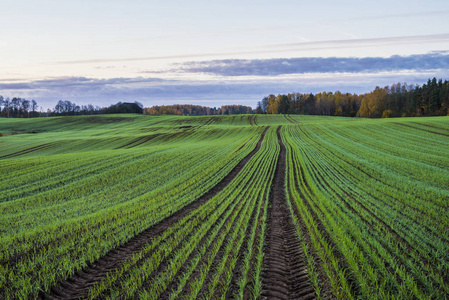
x=18 y=107
x=397 y=100
x=67 y=108
x=197 y=110
x=23 y=108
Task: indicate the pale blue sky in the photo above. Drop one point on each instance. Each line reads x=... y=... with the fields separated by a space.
x=215 y=52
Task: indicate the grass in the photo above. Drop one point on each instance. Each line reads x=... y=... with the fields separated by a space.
x=369 y=200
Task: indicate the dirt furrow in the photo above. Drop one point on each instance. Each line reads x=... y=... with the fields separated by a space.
x=78 y=285
x=421 y=129
x=29 y=150
x=284 y=269
x=290 y=119
x=138 y=141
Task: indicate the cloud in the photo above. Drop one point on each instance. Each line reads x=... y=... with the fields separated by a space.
x=278 y=48
x=367 y=42
x=67 y=83
x=150 y=91
x=421 y=14
x=216 y=91
x=274 y=67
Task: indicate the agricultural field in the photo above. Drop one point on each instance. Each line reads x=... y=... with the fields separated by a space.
x=224 y=207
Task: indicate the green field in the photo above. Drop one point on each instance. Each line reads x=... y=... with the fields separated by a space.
x=166 y=207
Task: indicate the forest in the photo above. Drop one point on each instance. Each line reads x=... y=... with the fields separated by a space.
x=18 y=107
x=397 y=100
x=197 y=110
x=23 y=108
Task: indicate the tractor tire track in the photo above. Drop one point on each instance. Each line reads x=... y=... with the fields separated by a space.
x=139 y=141
x=284 y=268
x=290 y=119
x=28 y=150
x=78 y=285
x=421 y=129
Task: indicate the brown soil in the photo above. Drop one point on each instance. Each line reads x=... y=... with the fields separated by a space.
x=290 y=119
x=417 y=128
x=430 y=126
x=211 y=120
x=284 y=268
x=139 y=141
x=78 y=285
x=174 y=284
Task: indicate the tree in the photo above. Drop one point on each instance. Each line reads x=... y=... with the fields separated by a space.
x=59 y=107
x=325 y=104
x=25 y=108
x=444 y=98
x=284 y=103
x=434 y=97
x=259 y=109
x=273 y=105
x=33 y=107
x=6 y=107
x=309 y=104
x=1 y=103
x=15 y=106
x=372 y=105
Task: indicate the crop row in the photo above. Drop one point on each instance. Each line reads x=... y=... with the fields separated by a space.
x=368 y=200
x=67 y=226
x=199 y=254
x=204 y=245
x=367 y=228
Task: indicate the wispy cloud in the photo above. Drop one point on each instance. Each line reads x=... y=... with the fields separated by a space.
x=236 y=80
x=150 y=91
x=212 y=92
x=381 y=41
x=297 y=47
x=67 y=83
x=273 y=67
x=431 y=13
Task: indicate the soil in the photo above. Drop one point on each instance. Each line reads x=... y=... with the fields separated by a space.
x=28 y=150
x=284 y=268
x=417 y=128
x=78 y=285
x=290 y=119
x=139 y=141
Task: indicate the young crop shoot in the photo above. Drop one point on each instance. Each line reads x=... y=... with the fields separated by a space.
x=224 y=207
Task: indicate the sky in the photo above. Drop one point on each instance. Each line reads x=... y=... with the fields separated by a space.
x=214 y=53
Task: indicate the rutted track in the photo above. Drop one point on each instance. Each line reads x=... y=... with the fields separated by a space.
x=29 y=150
x=139 y=141
x=78 y=285
x=284 y=271
x=290 y=119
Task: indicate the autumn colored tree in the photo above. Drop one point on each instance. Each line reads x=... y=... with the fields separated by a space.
x=397 y=100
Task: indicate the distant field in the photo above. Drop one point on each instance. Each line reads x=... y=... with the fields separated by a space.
x=241 y=207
